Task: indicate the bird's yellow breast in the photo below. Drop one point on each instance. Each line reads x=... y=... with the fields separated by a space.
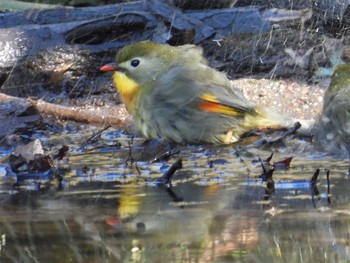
x=127 y=87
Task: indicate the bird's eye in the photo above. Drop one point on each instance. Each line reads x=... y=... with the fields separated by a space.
x=135 y=63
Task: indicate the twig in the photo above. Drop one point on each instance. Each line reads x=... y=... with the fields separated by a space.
x=165 y=156
x=174 y=167
x=95 y=135
x=166 y=178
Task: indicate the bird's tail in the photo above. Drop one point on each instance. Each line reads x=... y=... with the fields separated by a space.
x=266 y=119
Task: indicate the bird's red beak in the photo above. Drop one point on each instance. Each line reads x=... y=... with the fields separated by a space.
x=109 y=67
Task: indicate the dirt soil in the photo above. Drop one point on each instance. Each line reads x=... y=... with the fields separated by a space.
x=292 y=98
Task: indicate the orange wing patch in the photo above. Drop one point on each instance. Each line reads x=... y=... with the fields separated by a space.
x=211 y=103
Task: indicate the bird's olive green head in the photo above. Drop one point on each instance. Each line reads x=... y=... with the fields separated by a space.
x=340 y=80
x=145 y=61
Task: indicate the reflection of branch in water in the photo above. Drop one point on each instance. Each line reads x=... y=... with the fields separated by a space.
x=328 y=188
x=265 y=170
x=164 y=182
x=173 y=195
x=313 y=187
x=266 y=176
x=315 y=176
x=270 y=185
x=130 y=158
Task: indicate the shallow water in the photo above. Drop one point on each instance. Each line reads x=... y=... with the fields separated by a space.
x=95 y=207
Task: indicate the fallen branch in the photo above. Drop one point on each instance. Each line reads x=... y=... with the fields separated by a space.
x=114 y=116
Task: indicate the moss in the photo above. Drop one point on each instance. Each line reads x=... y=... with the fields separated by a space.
x=340 y=80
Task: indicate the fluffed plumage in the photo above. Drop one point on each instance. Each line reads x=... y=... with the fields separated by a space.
x=172 y=93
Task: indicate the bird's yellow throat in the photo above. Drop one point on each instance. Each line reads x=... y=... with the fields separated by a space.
x=128 y=88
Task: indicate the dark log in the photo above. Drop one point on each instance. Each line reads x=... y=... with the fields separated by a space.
x=65 y=15
x=112 y=26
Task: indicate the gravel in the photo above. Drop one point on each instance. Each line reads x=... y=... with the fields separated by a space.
x=294 y=99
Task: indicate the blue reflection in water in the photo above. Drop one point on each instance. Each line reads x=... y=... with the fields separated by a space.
x=42 y=176
x=5 y=151
x=107 y=177
x=111 y=135
x=282 y=185
x=3 y=171
x=34 y=186
x=164 y=168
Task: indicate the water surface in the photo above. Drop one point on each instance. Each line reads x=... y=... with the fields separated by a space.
x=98 y=207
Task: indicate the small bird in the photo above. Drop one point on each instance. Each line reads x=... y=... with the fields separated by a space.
x=172 y=93
x=333 y=126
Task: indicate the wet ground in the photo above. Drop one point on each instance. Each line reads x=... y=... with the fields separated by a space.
x=97 y=205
